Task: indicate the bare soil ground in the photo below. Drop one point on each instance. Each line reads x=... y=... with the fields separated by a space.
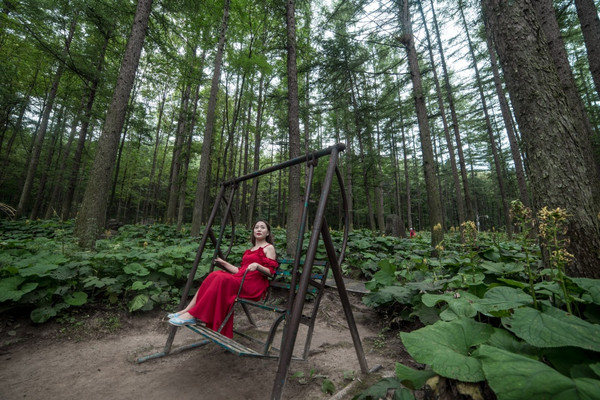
x=93 y=356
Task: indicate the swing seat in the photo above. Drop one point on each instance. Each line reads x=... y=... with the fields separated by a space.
x=281 y=281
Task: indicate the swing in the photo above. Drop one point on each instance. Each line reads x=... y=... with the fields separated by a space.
x=300 y=280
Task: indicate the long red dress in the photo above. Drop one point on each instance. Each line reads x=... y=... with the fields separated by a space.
x=217 y=293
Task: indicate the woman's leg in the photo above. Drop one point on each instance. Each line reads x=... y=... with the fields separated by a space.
x=190 y=304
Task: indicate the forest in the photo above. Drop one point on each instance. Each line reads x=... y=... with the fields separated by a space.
x=477 y=123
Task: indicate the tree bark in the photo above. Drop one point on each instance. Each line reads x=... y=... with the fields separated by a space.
x=590 y=27
x=547 y=18
x=488 y=124
x=508 y=125
x=557 y=165
x=92 y=215
x=433 y=194
x=209 y=128
x=294 y=195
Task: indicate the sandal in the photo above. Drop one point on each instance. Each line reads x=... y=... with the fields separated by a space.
x=181 y=322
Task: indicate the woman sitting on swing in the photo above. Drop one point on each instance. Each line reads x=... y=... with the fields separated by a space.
x=218 y=291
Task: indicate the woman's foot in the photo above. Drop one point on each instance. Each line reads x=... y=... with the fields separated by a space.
x=184 y=318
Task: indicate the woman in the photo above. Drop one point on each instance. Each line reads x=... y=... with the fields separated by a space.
x=217 y=293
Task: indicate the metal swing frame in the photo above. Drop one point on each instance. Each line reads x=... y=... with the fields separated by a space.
x=296 y=298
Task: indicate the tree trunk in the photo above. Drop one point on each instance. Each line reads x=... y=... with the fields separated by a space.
x=52 y=207
x=349 y=179
x=397 y=190
x=488 y=124
x=41 y=191
x=209 y=128
x=590 y=27
x=433 y=194
x=508 y=125
x=455 y=126
x=256 y=159
x=186 y=159
x=76 y=164
x=91 y=218
x=176 y=160
x=409 y=220
x=460 y=204
x=39 y=140
x=556 y=162
x=294 y=199
x=243 y=209
x=151 y=189
x=547 y=19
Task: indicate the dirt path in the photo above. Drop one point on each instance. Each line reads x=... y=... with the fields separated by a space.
x=58 y=361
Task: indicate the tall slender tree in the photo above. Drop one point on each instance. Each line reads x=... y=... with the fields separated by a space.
x=433 y=194
x=454 y=117
x=39 y=140
x=590 y=27
x=203 y=171
x=294 y=195
x=460 y=204
x=488 y=123
x=91 y=218
x=508 y=125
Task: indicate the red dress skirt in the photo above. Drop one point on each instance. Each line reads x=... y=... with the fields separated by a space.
x=217 y=292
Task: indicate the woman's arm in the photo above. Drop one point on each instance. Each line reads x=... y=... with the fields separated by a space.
x=229 y=267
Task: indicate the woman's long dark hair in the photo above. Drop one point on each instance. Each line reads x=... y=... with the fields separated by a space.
x=269 y=238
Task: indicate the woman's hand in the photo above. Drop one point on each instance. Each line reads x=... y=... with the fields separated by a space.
x=253 y=267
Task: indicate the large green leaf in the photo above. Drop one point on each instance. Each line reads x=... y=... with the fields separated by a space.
x=44 y=313
x=136 y=269
x=501 y=268
x=515 y=377
x=9 y=288
x=412 y=378
x=387 y=295
x=505 y=340
x=380 y=390
x=76 y=299
x=430 y=300
x=553 y=328
x=460 y=304
x=139 y=285
x=446 y=346
x=38 y=270
x=501 y=298
x=138 y=302
x=592 y=286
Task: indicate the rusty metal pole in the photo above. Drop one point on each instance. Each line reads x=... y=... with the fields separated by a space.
x=192 y=274
x=298 y=253
x=291 y=328
x=339 y=281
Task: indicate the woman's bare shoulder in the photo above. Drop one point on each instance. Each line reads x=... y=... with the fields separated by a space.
x=269 y=250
